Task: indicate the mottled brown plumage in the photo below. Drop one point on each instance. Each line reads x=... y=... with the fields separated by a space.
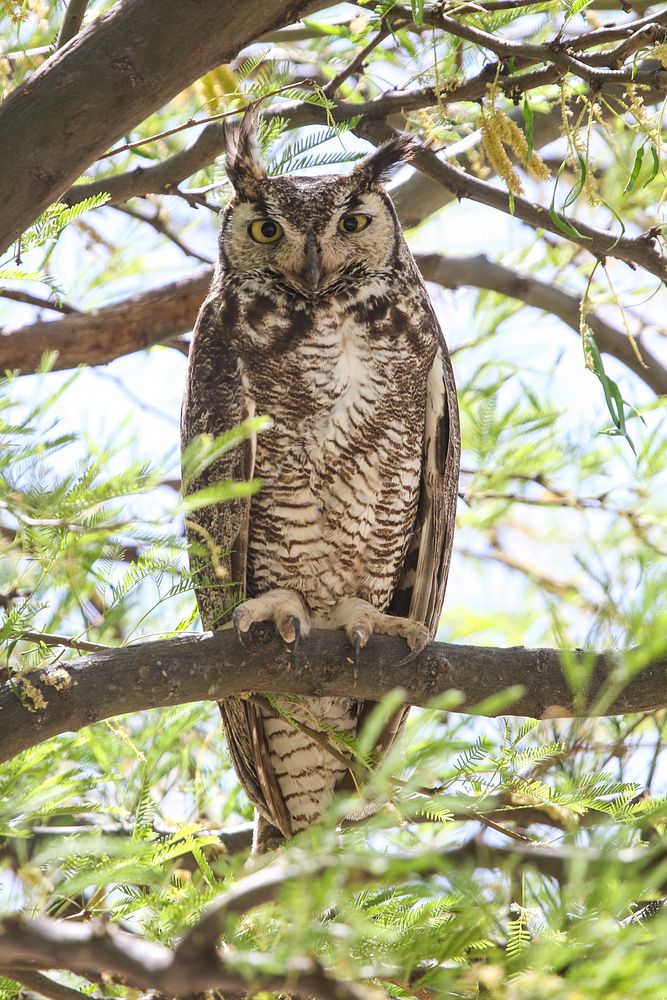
x=326 y=326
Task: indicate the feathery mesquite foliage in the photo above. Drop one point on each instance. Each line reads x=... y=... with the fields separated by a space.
x=517 y=858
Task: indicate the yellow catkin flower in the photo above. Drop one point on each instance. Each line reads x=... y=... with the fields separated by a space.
x=660 y=53
x=517 y=142
x=636 y=102
x=495 y=152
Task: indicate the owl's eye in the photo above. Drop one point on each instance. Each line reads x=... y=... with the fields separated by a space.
x=265 y=231
x=353 y=223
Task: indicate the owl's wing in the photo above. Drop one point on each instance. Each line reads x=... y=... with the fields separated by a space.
x=421 y=588
x=212 y=404
x=218 y=535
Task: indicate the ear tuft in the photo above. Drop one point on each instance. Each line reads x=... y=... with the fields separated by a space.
x=374 y=169
x=244 y=165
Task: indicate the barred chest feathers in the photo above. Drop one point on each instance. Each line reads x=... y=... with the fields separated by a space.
x=341 y=464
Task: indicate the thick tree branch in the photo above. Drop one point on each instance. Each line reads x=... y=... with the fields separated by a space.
x=479 y=271
x=76 y=693
x=137 y=63
x=92 y=949
x=159 y=315
x=110 y=332
x=637 y=252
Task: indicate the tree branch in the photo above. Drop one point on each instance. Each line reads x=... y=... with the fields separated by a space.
x=637 y=252
x=479 y=271
x=35 y=300
x=75 y=693
x=650 y=29
x=43 y=985
x=136 y=60
x=154 y=317
x=94 y=948
x=72 y=21
x=98 y=337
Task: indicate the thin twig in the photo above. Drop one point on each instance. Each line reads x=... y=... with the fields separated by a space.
x=160 y=226
x=69 y=642
x=357 y=63
x=72 y=21
x=35 y=300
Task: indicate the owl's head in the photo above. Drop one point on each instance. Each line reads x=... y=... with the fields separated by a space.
x=308 y=231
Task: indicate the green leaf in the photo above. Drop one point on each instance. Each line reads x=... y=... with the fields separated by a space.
x=417 y=12
x=634 y=173
x=205 y=449
x=612 y=394
x=559 y=221
x=655 y=166
x=221 y=492
x=578 y=185
x=528 y=126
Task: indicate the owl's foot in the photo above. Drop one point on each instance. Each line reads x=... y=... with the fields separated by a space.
x=361 y=620
x=282 y=607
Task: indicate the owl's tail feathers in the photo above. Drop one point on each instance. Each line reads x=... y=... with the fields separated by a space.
x=266 y=837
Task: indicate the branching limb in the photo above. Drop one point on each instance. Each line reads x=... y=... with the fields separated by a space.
x=78 y=692
x=164 y=177
x=479 y=271
x=93 y=948
x=559 y=54
x=43 y=985
x=197 y=964
x=638 y=252
x=72 y=21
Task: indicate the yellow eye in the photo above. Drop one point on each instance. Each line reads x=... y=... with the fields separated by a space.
x=265 y=231
x=353 y=223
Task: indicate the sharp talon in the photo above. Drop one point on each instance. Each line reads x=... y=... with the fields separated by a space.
x=296 y=622
x=357 y=646
x=236 y=622
x=414 y=653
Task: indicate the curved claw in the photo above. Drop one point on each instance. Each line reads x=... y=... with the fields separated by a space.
x=236 y=622
x=412 y=655
x=290 y=630
x=296 y=625
x=418 y=648
x=359 y=640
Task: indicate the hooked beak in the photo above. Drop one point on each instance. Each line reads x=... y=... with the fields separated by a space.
x=313 y=262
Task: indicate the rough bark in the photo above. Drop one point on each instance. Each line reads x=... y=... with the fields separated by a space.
x=130 y=61
x=79 y=692
x=156 y=316
x=98 y=337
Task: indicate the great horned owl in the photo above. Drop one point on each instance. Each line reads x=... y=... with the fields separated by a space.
x=318 y=317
